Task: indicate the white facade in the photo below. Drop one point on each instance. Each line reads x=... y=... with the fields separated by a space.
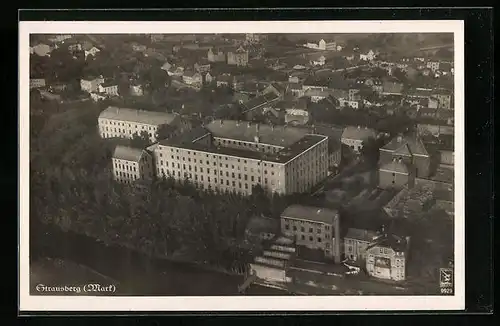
x=91 y=85
x=125 y=123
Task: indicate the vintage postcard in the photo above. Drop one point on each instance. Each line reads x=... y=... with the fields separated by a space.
x=241 y=166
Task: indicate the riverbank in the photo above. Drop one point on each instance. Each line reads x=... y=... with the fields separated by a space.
x=136 y=273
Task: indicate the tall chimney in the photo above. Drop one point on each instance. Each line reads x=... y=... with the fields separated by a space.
x=337 y=239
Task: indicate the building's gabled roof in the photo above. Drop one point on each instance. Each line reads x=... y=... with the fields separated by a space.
x=139 y=116
x=316 y=92
x=358 y=133
x=395 y=242
x=361 y=234
x=128 y=153
x=414 y=143
x=310 y=213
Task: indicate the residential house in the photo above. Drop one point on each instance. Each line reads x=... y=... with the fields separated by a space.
x=155 y=38
x=108 y=87
x=261 y=103
x=355 y=243
x=139 y=47
x=58 y=87
x=255 y=38
x=296 y=116
x=216 y=55
x=132 y=164
x=97 y=97
x=238 y=57
x=202 y=67
x=392 y=87
x=136 y=89
x=75 y=47
x=369 y=56
x=37 y=82
x=296 y=90
x=377 y=86
x=166 y=66
x=433 y=65
x=208 y=78
x=177 y=71
x=433 y=102
x=353 y=137
x=350 y=104
x=420 y=93
x=316 y=95
x=192 y=78
x=318 y=61
x=401 y=160
x=91 y=84
x=42 y=50
x=314 y=228
x=60 y=38
x=316 y=84
x=444 y=99
x=387 y=257
x=224 y=80
x=354 y=94
x=92 y=52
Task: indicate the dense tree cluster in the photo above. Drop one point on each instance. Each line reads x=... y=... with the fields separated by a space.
x=72 y=187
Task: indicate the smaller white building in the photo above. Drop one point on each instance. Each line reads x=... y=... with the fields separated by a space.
x=91 y=85
x=355 y=136
x=92 y=52
x=132 y=164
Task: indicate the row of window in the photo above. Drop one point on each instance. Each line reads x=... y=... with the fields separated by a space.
x=125 y=167
x=190 y=176
x=123 y=124
x=302 y=229
x=166 y=164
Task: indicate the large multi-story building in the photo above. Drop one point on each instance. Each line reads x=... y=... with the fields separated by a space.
x=132 y=164
x=125 y=123
x=313 y=227
x=230 y=155
x=387 y=256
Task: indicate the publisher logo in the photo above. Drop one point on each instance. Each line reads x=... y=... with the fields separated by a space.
x=446 y=280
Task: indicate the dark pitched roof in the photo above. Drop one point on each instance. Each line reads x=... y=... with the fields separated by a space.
x=317 y=214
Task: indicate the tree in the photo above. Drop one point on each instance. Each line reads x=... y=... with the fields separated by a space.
x=165 y=131
x=140 y=140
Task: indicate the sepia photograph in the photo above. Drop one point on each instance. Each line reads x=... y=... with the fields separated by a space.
x=249 y=166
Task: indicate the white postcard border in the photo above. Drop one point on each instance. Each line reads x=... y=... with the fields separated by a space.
x=241 y=303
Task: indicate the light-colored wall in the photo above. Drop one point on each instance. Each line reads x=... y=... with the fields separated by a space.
x=126 y=129
x=397 y=270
